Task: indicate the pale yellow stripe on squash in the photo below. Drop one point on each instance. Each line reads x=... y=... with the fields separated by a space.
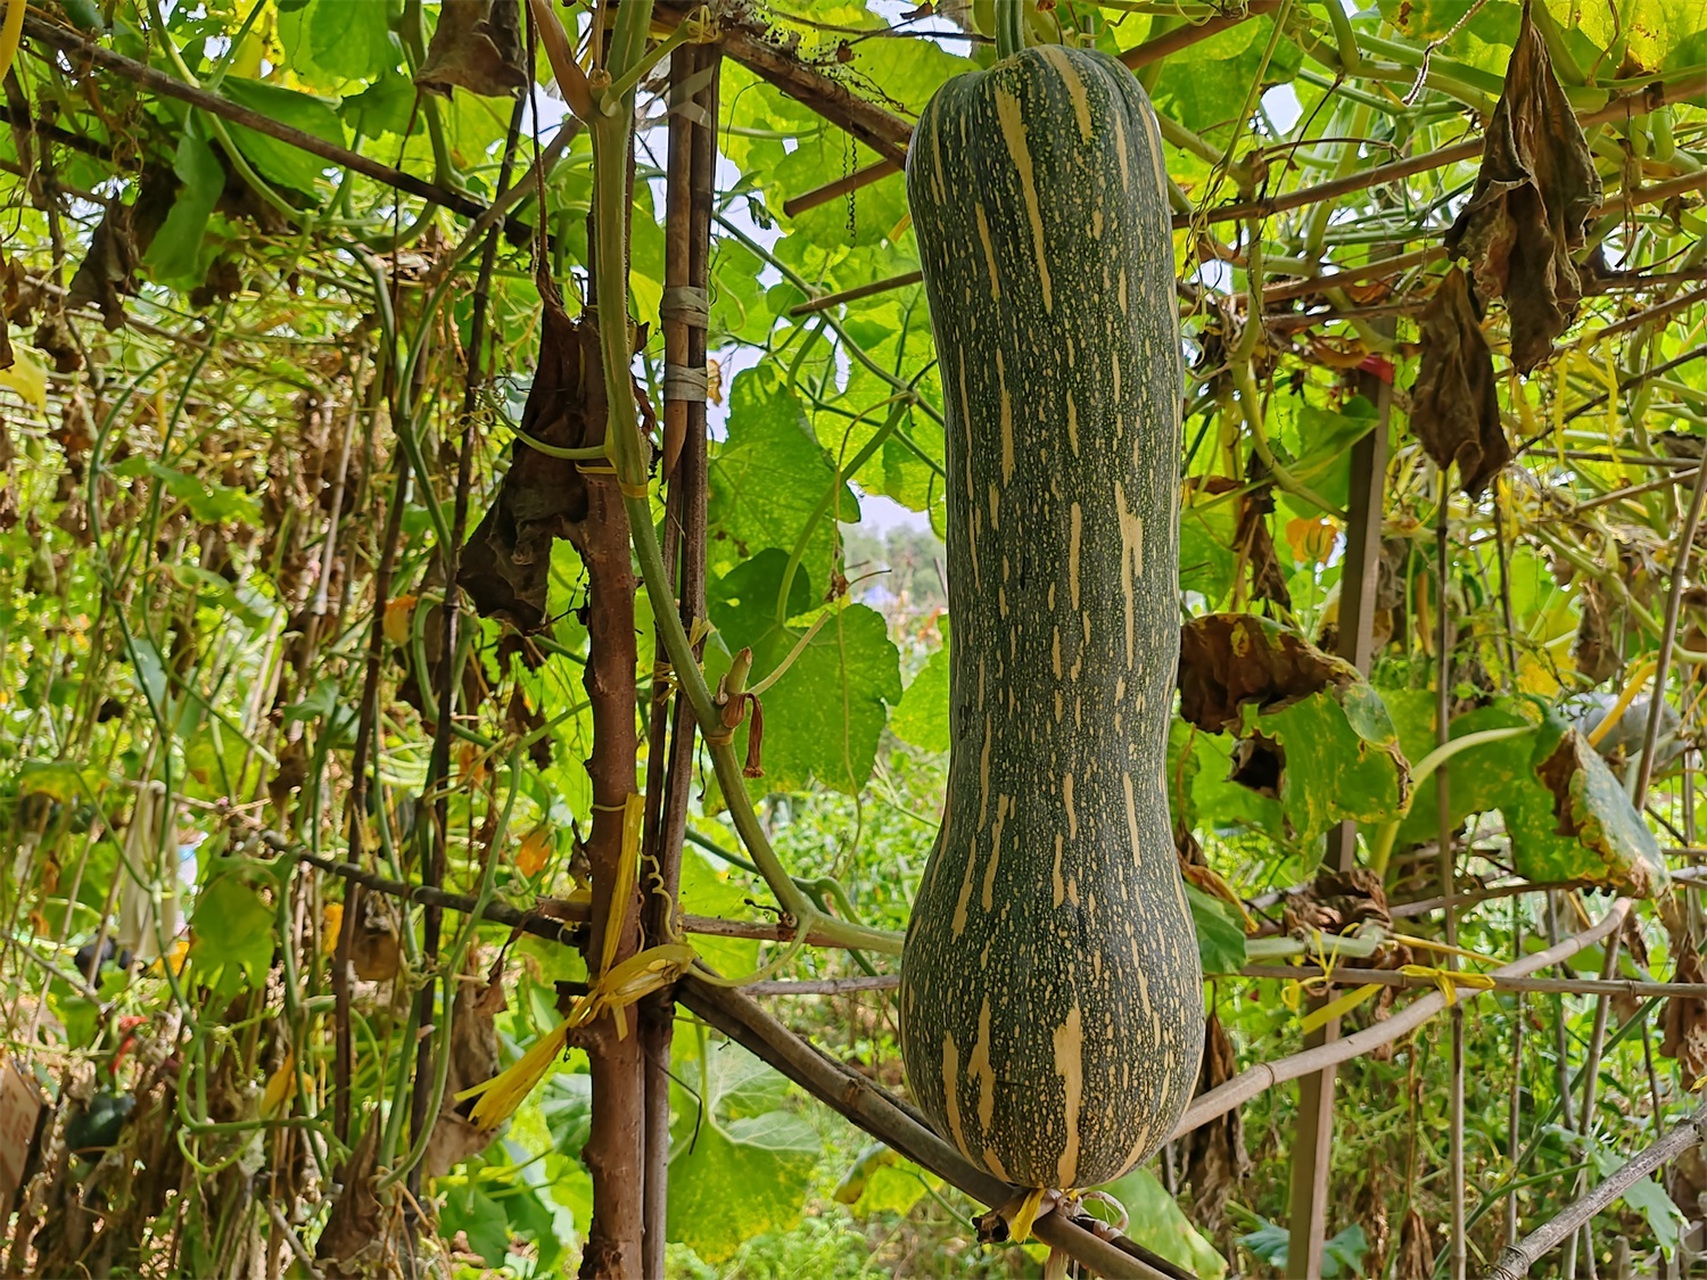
x=1013 y=132
x=1069 y=1042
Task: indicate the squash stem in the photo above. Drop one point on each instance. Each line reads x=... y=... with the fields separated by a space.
x=1010 y=28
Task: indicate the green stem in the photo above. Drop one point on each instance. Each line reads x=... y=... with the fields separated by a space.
x=1010 y=28
x=1382 y=849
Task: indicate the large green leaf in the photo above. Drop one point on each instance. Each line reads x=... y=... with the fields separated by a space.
x=1220 y=937
x=1156 y=1222
x=824 y=717
x=279 y=162
x=1479 y=778
x=174 y=256
x=1341 y=760
x=770 y=479
x=233 y=931
x=740 y=1161
x=922 y=717
x=351 y=38
x=713 y=891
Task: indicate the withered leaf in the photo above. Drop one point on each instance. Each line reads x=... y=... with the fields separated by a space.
x=355 y=1238
x=1455 y=409
x=1590 y=805
x=1686 y=1016
x=1228 y=661
x=1337 y=901
x=477 y=46
x=1533 y=198
x=506 y=565
x=1215 y=1155
x=108 y=270
x=1255 y=546
x=473 y=1058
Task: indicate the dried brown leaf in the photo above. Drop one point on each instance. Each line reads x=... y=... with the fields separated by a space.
x=477 y=46
x=1215 y=1156
x=506 y=565
x=1455 y=409
x=1686 y=1016
x=1229 y=661
x=1535 y=192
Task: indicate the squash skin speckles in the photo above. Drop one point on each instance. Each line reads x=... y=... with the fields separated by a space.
x=1051 y=1002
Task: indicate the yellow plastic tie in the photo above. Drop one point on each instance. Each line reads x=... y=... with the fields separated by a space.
x=1429 y=944
x=633 y=980
x=503 y=1093
x=627 y=874
x=1449 y=980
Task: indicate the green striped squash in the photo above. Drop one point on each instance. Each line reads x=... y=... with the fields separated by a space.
x=1051 y=995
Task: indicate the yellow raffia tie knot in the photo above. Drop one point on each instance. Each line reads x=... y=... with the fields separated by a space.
x=1449 y=980
x=1026 y=1214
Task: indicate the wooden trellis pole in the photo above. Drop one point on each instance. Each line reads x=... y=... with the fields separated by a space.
x=1312 y=1150
x=690 y=172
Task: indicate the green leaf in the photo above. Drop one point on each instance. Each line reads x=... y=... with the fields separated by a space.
x=383 y=107
x=709 y=891
x=922 y=717
x=1645 y=1197
x=1223 y=804
x=1156 y=1222
x=279 y=162
x=482 y=1219
x=1220 y=935
x=1206 y=560
x=174 y=257
x=59 y=780
x=351 y=38
x=1206 y=91
x=1341 y=759
x=826 y=714
x=737 y=1170
x=824 y=717
x=209 y=502
x=566 y=1099
x=1479 y=778
x=233 y=931
x=769 y=479
x=881 y=1180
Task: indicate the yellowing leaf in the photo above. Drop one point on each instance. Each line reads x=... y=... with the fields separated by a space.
x=27 y=378
x=399 y=611
x=536 y=848
x=331 y=925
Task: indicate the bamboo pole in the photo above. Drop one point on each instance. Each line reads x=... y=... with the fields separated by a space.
x=1460 y=1259
x=1516 y=1260
x=1249 y=1083
x=691 y=165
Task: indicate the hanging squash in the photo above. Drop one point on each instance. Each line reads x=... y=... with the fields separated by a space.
x=1051 y=994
